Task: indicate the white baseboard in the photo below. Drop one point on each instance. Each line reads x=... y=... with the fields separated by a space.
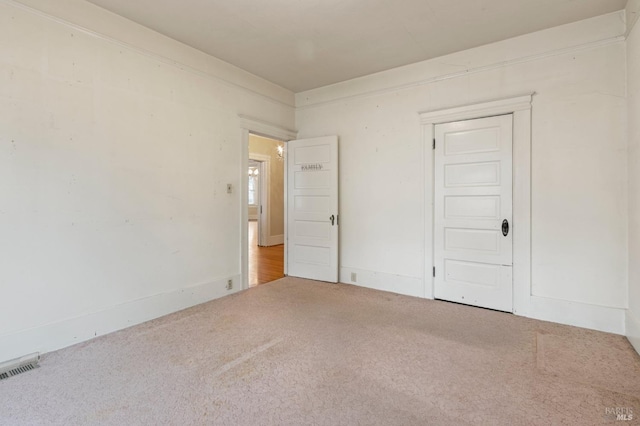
x=409 y=286
x=65 y=333
x=602 y=318
x=633 y=329
x=275 y=240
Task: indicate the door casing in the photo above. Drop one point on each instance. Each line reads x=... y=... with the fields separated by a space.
x=520 y=107
x=250 y=125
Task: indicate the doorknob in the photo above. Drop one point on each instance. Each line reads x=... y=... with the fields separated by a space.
x=505 y=227
x=332 y=219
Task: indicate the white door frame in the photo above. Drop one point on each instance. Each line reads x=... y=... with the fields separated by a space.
x=520 y=107
x=264 y=217
x=271 y=131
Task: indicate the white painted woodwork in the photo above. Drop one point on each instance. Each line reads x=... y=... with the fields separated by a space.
x=561 y=273
x=251 y=125
x=89 y=114
x=523 y=304
x=526 y=52
x=114 y=165
x=473 y=195
x=291 y=42
x=312 y=199
x=633 y=93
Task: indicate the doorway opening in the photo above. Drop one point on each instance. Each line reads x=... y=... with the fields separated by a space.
x=265 y=210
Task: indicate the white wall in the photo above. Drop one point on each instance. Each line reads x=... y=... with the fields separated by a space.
x=116 y=145
x=633 y=93
x=579 y=163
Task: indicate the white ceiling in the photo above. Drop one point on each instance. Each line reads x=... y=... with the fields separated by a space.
x=304 y=44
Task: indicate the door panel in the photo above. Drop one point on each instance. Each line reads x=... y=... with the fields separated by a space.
x=474 y=141
x=470 y=207
x=312 y=200
x=475 y=174
x=471 y=240
x=311 y=204
x=312 y=180
x=472 y=198
x=473 y=273
x=313 y=154
x=313 y=229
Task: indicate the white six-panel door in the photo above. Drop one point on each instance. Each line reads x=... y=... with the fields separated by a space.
x=472 y=209
x=312 y=208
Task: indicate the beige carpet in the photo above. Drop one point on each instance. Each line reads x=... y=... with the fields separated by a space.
x=297 y=352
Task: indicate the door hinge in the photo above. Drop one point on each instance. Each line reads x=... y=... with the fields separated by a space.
x=434 y=143
x=338 y=220
x=434 y=271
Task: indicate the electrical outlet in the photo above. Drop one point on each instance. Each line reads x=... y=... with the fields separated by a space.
x=229 y=284
x=354 y=277
x=229 y=188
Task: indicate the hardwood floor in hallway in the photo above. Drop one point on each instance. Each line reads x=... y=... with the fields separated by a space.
x=266 y=264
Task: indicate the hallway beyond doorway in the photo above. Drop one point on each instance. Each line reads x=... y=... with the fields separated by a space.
x=266 y=264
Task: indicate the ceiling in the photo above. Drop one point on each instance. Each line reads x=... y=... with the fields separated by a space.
x=304 y=44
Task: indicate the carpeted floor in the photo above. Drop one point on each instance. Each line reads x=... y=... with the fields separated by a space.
x=296 y=352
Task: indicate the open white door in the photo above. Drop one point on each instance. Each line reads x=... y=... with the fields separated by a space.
x=473 y=212
x=312 y=208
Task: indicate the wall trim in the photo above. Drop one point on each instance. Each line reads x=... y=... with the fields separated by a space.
x=631 y=15
x=153 y=55
x=393 y=283
x=578 y=314
x=632 y=329
x=367 y=93
x=520 y=107
x=611 y=320
x=480 y=110
x=524 y=303
x=58 y=335
x=263 y=128
x=266 y=129
x=275 y=240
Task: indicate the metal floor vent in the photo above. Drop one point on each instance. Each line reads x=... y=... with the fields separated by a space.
x=18 y=366
x=17 y=371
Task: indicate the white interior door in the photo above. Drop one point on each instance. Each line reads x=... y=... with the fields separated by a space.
x=312 y=208
x=473 y=212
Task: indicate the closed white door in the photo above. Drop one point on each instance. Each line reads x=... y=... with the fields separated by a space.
x=312 y=208
x=473 y=212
